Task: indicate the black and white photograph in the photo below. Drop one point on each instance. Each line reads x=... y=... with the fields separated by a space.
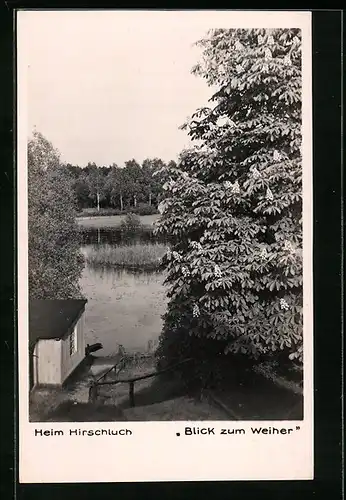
x=166 y=193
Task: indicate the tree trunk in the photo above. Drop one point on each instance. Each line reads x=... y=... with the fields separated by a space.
x=121 y=203
x=98 y=201
x=150 y=199
x=134 y=200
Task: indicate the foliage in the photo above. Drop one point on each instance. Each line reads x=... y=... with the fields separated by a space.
x=144 y=209
x=121 y=188
x=131 y=223
x=233 y=205
x=55 y=263
x=93 y=212
x=95 y=182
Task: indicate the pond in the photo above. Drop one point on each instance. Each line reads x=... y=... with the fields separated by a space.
x=115 y=236
x=124 y=307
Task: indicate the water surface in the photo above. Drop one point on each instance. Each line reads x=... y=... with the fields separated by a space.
x=123 y=307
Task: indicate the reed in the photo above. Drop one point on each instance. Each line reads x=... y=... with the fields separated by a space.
x=137 y=256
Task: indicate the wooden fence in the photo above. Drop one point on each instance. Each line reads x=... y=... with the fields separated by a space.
x=101 y=381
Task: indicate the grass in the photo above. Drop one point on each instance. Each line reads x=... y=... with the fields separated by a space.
x=157 y=399
x=259 y=398
x=42 y=402
x=112 y=221
x=181 y=408
x=165 y=398
x=138 y=256
x=269 y=373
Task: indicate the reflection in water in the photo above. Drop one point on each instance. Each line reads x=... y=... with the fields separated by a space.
x=123 y=307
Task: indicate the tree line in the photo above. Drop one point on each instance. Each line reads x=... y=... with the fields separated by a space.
x=57 y=191
x=121 y=188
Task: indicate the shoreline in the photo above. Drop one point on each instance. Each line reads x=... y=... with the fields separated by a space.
x=113 y=221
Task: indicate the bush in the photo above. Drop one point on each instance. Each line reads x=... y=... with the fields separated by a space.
x=209 y=366
x=131 y=223
x=144 y=209
x=93 y=212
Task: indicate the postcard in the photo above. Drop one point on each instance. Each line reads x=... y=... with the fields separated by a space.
x=165 y=278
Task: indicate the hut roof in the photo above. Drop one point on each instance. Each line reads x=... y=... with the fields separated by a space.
x=53 y=319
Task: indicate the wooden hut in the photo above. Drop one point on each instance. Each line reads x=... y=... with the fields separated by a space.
x=56 y=340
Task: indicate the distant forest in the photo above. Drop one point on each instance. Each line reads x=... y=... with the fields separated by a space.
x=132 y=186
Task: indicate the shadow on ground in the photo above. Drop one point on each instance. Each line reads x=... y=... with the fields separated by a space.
x=70 y=411
x=165 y=397
x=260 y=399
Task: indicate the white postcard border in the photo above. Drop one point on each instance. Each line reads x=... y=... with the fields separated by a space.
x=154 y=452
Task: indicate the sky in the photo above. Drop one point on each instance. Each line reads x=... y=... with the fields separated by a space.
x=110 y=86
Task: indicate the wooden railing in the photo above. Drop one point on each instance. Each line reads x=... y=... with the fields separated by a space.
x=101 y=381
x=98 y=381
x=94 y=387
x=121 y=362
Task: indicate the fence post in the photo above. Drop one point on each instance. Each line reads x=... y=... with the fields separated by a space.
x=93 y=393
x=90 y=393
x=132 y=394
